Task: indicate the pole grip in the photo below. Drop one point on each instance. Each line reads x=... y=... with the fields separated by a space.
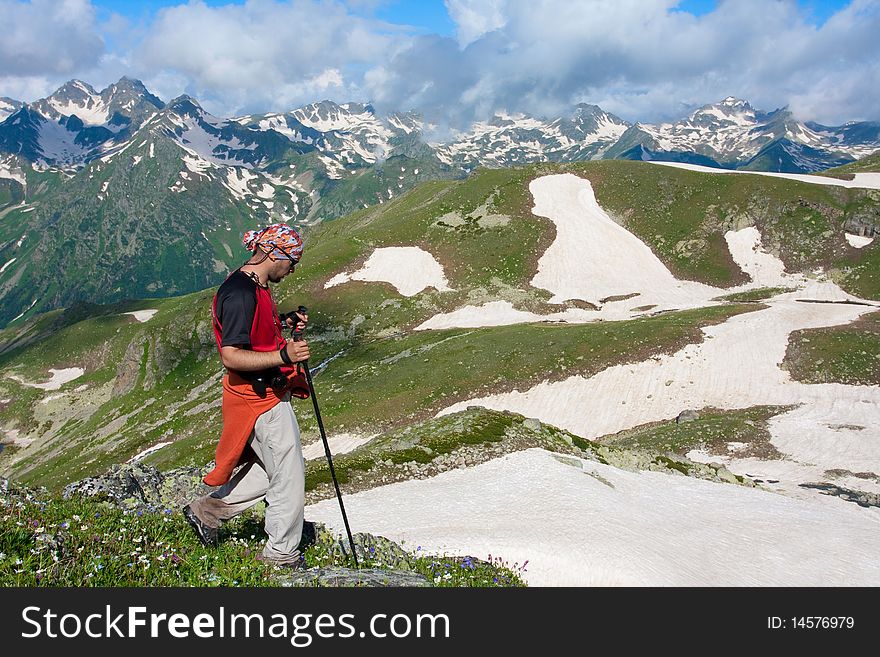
x=297 y=335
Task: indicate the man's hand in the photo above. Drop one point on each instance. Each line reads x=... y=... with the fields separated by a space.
x=298 y=351
x=297 y=321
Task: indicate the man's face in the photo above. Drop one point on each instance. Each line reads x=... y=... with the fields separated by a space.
x=280 y=268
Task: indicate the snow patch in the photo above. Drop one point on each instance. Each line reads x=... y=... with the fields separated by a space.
x=860 y=180
x=339 y=444
x=58 y=379
x=3 y=268
x=21 y=314
x=147 y=452
x=197 y=165
x=204 y=145
x=237 y=182
x=96 y=113
x=747 y=251
x=601 y=526
x=500 y=313
x=12 y=173
x=57 y=143
x=736 y=366
x=142 y=315
x=333 y=168
x=408 y=268
x=858 y=241
x=594 y=258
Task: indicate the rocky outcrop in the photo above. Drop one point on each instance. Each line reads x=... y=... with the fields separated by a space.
x=369 y=577
x=129 y=367
x=135 y=486
x=866 y=226
x=859 y=497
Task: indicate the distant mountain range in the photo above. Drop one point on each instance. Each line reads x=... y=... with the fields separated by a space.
x=732 y=134
x=110 y=195
x=76 y=124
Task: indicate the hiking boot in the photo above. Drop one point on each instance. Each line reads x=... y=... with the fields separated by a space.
x=297 y=563
x=209 y=536
x=308 y=536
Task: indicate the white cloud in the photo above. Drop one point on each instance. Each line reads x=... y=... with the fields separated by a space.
x=473 y=18
x=265 y=55
x=47 y=38
x=641 y=59
x=26 y=87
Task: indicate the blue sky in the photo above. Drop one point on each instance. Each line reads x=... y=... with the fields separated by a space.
x=429 y=15
x=818 y=10
x=432 y=15
x=458 y=61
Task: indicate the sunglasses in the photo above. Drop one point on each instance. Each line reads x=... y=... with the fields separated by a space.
x=293 y=261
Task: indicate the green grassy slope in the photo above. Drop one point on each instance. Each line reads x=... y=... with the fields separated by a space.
x=159 y=381
x=867 y=164
x=49 y=541
x=839 y=354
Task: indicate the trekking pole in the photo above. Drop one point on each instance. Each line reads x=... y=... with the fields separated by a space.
x=297 y=336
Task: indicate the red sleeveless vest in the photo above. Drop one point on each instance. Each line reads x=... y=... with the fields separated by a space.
x=266 y=335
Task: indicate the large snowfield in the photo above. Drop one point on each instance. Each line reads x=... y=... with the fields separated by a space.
x=591 y=524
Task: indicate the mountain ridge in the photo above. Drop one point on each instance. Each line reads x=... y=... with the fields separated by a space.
x=98 y=177
x=730 y=132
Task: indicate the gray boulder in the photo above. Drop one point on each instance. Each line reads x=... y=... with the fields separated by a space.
x=367 y=577
x=532 y=423
x=135 y=486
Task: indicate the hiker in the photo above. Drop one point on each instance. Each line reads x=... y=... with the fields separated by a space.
x=260 y=431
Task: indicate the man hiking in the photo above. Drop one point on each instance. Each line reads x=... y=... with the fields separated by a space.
x=260 y=431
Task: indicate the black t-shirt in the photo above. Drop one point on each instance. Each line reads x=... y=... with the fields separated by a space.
x=236 y=305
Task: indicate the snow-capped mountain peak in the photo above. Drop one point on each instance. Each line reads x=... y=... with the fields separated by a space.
x=733 y=101
x=76 y=123
x=9 y=106
x=130 y=99
x=729 y=111
x=511 y=138
x=327 y=116
x=352 y=133
x=78 y=98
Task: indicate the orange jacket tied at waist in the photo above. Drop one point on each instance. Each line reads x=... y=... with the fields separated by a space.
x=241 y=407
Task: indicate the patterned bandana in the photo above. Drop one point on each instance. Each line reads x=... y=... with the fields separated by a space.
x=278 y=240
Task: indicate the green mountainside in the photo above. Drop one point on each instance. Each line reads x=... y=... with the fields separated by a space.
x=156 y=219
x=158 y=381
x=868 y=164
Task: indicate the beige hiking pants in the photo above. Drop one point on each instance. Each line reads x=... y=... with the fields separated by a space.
x=276 y=472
